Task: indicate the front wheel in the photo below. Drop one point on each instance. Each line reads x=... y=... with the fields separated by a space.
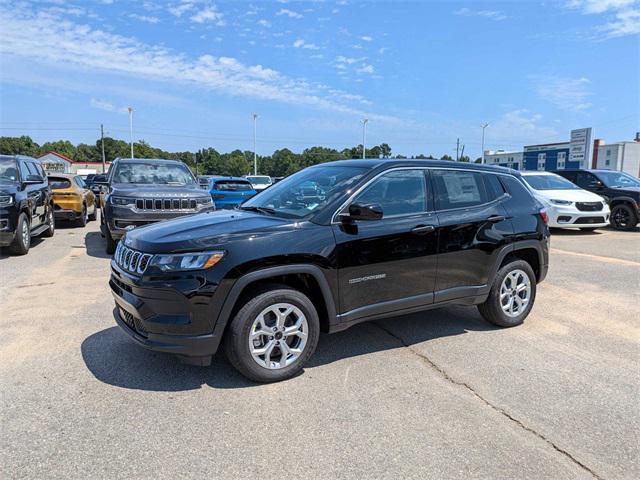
x=512 y=295
x=273 y=335
x=22 y=240
x=111 y=243
x=623 y=217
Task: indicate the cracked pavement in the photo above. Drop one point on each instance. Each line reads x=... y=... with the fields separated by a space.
x=440 y=394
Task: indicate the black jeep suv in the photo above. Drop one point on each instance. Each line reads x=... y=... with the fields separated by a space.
x=381 y=238
x=143 y=191
x=619 y=189
x=25 y=203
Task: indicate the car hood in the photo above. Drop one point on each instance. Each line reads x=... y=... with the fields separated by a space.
x=156 y=191
x=573 y=195
x=8 y=187
x=203 y=231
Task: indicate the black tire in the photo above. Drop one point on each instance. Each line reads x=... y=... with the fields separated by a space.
x=111 y=243
x=51 y=221
x=84 y=218
x=623 y=217
x=94 y=215
x=236 y=339
x=20 y=244
x=492 y=310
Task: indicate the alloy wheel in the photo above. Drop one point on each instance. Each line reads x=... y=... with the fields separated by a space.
x=278 y=336
x=515 y=293
x=621 y=217
x=26 y=234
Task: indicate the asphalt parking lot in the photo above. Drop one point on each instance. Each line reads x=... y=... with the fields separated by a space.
x=440 y=394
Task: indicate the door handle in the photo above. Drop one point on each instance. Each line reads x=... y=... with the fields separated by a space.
x=423 y=229
x=495 y=218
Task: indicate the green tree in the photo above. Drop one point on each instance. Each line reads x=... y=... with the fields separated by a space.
x=283 y=162
x=87 y=153
x=385 y=149
x=446 y=157
x=64 y=147
x=315 y=155
x=19 y=146
x=114 y=148
x=465 y=158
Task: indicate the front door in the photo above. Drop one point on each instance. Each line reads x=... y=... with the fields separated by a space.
x=390 y=263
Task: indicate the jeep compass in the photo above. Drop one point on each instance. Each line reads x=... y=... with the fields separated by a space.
x=368 y=239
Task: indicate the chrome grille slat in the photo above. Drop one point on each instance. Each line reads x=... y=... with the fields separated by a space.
x=131 y=260
x=161 y=204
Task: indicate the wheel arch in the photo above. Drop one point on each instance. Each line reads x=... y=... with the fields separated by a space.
x=308 y=279
x=528 y=250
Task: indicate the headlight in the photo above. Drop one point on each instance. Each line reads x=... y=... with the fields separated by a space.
x=6 y=200
x=561 y=202
x=204 y=201
x=186 y=261
x=122 y=201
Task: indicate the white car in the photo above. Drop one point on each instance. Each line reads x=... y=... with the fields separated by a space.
x=259 y=182
x=567 y=205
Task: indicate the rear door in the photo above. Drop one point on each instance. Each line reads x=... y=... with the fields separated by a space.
x=389 y=264
x=472 y=227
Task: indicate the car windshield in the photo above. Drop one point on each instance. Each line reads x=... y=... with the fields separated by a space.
x=549 y=182
x=153 y=173
x=259 y=180
x=8 y=170
x=293 y=198
x=618 y=179
x=232 y=185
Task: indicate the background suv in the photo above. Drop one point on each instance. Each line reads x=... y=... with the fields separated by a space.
x=143 y=191
x=72 y=200
x=620 y=189
x=25 y=203
x=567 y=205
x=379 y=238
x=229 y=192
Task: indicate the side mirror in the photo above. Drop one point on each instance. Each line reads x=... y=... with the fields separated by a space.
x=597 y=184
x=364 y=211
x=34 y=179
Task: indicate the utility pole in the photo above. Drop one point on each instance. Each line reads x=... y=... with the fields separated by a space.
x=364 y=137
x=195 y=161
x=131 y=129
x=457 y=149
x=484 y=125
x=255 y=155
x=462 y=154
x=104 y=160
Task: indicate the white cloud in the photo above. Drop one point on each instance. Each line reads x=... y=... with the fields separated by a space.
x=288 y=13
x=491 y=14
x=107 y=106
x=42 y=40
x=366 y=38
x=627 y=22
x=180 y=9
x=600 y=6
x=348 y=60
x=623 y=15
x=570 y=94
x=299 y=43
x=528 y=126
x=208 y=15
x=264 y=23
x=144 y=18
x=366 y=68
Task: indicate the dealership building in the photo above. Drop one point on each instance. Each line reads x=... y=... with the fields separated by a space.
x=54 y=162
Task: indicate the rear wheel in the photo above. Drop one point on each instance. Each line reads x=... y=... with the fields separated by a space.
x=273 y=335
x=22 y=240
x=84 y=218
x=512 y=295
x=51 y=223
x=94 y=214
x=623 y=217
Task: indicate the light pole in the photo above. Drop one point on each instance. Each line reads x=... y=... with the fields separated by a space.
x=131 y=129
x=364 y=137
x=484 y=125
x=255 y=155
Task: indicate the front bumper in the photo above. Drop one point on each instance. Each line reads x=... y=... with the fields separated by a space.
x=8 y=220
x=570 y=217
x=167 y=318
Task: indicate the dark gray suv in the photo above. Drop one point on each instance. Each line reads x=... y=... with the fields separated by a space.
x=143 y=191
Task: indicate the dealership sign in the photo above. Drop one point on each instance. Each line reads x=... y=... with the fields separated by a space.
x=579 y=146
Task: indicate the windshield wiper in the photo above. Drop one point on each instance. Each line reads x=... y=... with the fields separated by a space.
x=268 y=210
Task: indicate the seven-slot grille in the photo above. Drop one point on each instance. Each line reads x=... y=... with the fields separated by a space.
x=155 y=204
x=589 y=206
x=131 y=260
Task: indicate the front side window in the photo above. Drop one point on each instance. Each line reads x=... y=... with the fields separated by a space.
x=585 y=180
x=291 y=198
x=147 y=173
x=458 y=189
x=400 y=192
x=8 y=170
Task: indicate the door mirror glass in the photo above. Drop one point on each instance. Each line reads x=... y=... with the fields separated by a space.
x=364 y=211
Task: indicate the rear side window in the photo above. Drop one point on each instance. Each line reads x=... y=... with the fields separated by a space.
x=232 y=186
x=458 y=189
x=59 y=182
x=24 y=171
x=495 y=189
x=400 y=192
x=79 y=182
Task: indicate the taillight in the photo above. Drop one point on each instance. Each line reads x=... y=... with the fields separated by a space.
x=544 y=216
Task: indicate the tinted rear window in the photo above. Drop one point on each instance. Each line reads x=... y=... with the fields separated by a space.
x=232 y=185
x=458 y=189
x=58 y=183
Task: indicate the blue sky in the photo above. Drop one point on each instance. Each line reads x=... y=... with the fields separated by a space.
x=424 y=73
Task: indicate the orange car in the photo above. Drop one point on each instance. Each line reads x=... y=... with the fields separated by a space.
x=72 y=200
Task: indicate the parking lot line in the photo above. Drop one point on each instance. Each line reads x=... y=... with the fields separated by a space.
x=617 y=261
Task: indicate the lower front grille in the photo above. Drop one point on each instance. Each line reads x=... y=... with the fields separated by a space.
x=589 y=206
x=133 y=323
x=588 y=220
x=160 y=204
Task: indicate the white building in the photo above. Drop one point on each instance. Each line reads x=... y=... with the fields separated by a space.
x=503 y=158
x=620 y=156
